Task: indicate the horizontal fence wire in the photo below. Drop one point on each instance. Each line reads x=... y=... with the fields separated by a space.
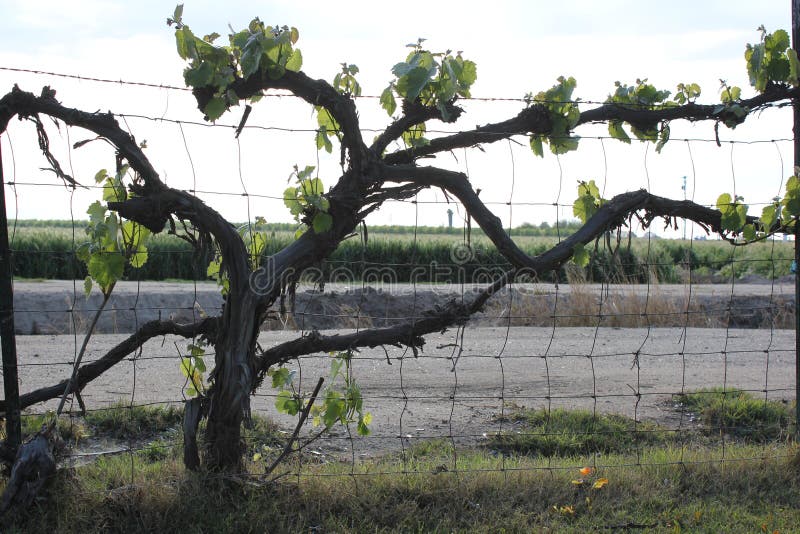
x=614 y=339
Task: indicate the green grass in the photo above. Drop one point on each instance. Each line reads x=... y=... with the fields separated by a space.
x=119 y=422
x=71 y=429
x=123 y=421
x=739 y=414
x=432 y=487
x=562 y=432
x=699 y=493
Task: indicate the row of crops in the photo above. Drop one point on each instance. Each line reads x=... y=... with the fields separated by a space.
x=49 y=253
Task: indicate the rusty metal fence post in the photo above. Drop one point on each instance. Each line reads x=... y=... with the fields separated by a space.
x=8 y=342
x=796 y=131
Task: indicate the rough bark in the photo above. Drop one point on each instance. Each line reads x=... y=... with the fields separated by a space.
x=35 y=463
x=229 y=403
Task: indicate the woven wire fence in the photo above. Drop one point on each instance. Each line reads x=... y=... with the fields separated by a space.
x=649 y=321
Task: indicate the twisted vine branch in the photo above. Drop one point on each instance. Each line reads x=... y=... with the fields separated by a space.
x=86 y=373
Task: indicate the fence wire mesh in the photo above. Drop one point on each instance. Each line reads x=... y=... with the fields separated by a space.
x=626 y=349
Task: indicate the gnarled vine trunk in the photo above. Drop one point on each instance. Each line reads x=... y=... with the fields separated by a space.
x=229 y=396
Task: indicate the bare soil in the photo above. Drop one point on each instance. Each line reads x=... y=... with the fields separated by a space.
x=466 y=378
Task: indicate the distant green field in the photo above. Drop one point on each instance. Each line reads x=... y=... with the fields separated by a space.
x=45 y=250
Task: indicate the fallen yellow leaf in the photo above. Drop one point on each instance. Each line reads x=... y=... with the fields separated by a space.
x=599 y=483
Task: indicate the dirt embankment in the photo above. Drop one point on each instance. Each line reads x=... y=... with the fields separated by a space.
x=59 y=307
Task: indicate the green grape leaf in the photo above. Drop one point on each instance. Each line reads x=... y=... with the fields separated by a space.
x=305 y=173
x=257 y=244
x=536 y=145
x=791 y=202
x=322 y=222
x=588 y=201
x=295 y=61
x=323 y=141
x=724 y=202
x=777 y=42
x=287 y=403
x=793 y=184
x=326 y=120
x=731 y=94
x=252 y=52
x=768 y=216
x=96 y=212
x=134 y=234
x=563 y=145
x=741 y=214
x=749 y=232
x=184 y=39
x=415 y=136
x=83 y=252
x=106 y=268
x=334 y=408
x=580 y=255
x=616 y=131
x=281 y=377
x=733 y=213
x=87 y=285
x=791 y=206
x=663 y=137
x=291 y=201
x=468 y=74
x=411 y=84
x=215 y=108
x=388 y=101
x=311 y=186
x=186 y=367
x=114 y=191
x=589 y=188
x=363 y=424
x=213 y=267
x=794 y=67
x=139 y=257
x=583 y=208
x=200 y=75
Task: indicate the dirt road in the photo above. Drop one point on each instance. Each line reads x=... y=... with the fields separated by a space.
x=629 y=371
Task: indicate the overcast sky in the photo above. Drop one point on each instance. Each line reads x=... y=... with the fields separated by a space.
x=518 y=47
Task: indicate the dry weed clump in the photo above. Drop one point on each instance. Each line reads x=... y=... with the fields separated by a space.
x=622 y=307
x=617 y=303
